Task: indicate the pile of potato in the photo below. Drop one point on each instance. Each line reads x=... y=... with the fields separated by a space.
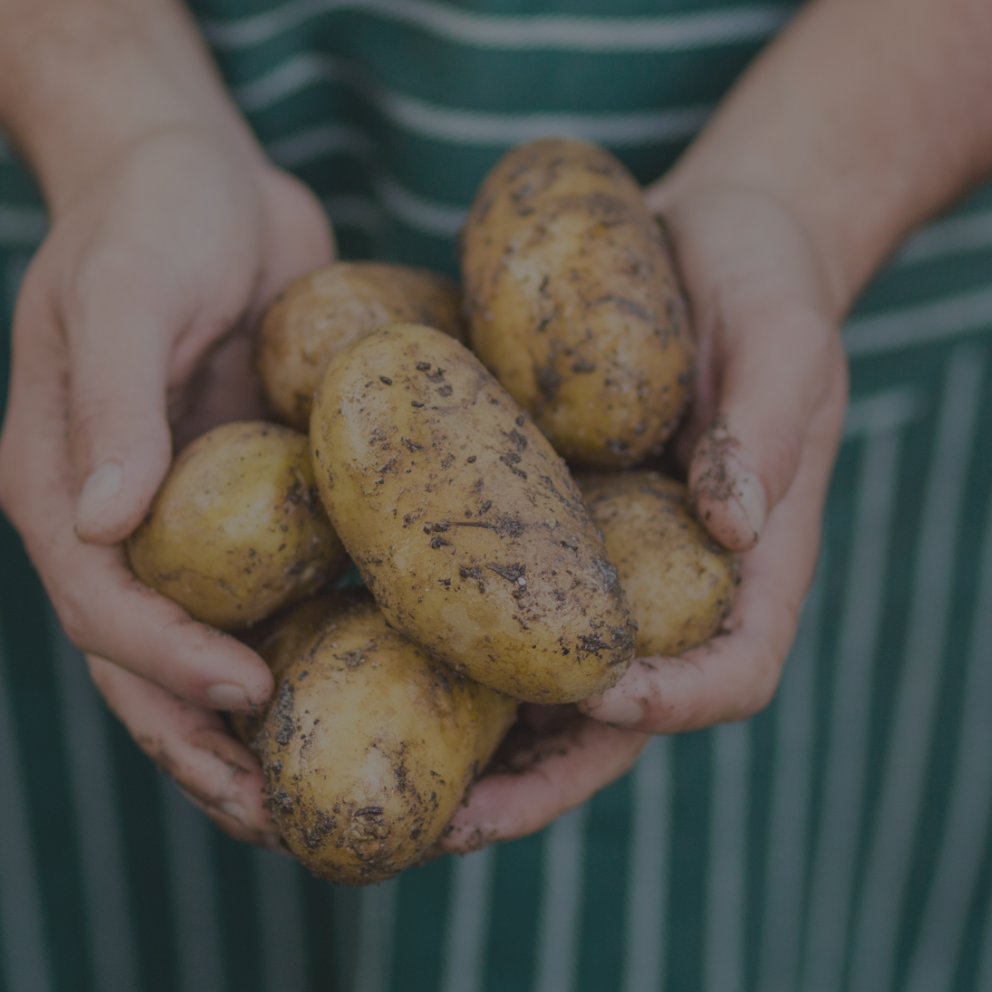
x=491 y=574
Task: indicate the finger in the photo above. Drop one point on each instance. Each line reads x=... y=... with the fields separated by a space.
x=193 y=746
x=301 y=229
x=120 y=320
x=734 y=676
x=102 y=606
x=749 y=454
x=557 y=774
x=767 y=337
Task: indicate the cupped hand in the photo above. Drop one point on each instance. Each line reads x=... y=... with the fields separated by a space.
x=130 y=336
x=758 y=446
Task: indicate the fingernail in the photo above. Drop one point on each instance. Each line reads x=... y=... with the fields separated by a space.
x=227 y=696
x=102 y=485
x=620 y=712
x=750 y=495
x=234 y=810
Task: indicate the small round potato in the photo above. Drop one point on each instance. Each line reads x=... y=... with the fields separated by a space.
x=680 y=583
x=573 y=302
x=317 y=315
x=462 y=520
x=237 y=529
x=369 y=745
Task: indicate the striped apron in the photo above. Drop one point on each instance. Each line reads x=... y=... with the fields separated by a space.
x=841 y=841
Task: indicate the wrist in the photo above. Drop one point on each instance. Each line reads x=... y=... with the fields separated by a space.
x=861 y=120
x=83 y=82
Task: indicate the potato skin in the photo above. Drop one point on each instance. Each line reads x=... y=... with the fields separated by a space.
x=318 y=314
x=462 y=520
x=573 y=302
x=369 y=745
x=680 y=583
x=237 y=529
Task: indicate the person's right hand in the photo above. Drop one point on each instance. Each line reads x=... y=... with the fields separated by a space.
x=135 y=313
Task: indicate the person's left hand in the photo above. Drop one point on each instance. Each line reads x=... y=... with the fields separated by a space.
x=759 y=446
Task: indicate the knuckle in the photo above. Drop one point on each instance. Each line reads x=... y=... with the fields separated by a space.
x=73 y=616
x=781 y=446
x=764 y=684
x=92 y=411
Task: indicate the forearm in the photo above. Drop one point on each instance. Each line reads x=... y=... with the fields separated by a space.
x=862 y=119
x=80 y=80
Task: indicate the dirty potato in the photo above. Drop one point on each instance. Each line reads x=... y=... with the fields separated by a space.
x=463 y=521
x=237 y=529
x=573 y=302
x=319 y=314
x=279 y=639
x=680 y=583
x=369 y=745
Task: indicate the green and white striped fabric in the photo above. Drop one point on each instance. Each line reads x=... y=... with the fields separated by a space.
x=839 y=842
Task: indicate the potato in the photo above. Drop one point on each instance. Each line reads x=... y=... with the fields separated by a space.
x=573 y=302
x=369 y=745
x=463 y=521
x=319 y=314
x=680 y=583
x=237 y=529
x=279 y=639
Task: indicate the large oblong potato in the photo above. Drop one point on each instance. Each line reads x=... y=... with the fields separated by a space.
x=463 y=521
x=573 y=301
x=369 y=745
x=318 y=314
x=680 y=583
x=237 y=529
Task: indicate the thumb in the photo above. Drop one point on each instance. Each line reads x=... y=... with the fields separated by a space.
x=120 y=333
x=777 y=367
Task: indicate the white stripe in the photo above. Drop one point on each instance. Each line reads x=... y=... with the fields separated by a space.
x=962 y=845
x=323 y=141
x=944 y=238
x=850 y=709
x=464 y=955
x=904 y=776
x=781 y=928
x=282 y=922
x=723 y=956
x=98 y=827
x=439 y=220
x=466 y=127
x=194 y=892
x=882 y=412
x=919 y=325
x=428 y=216
x=376 y=930
x=24 y=960
x=20 y=226
x=581 y=34
x=297 y=73
x=647 y=870
x=561 y=903
x=469 y=128
x=356 y=211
